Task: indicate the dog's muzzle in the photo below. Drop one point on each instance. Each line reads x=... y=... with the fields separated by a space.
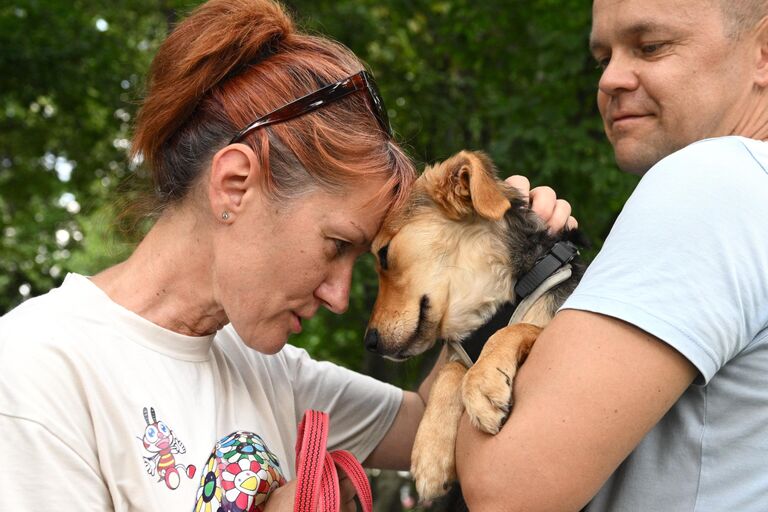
x=372 y=339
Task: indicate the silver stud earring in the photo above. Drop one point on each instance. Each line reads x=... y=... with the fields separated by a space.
x=225 y=215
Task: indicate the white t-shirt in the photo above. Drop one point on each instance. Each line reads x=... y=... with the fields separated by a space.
x=101 y=409
x=687 y=261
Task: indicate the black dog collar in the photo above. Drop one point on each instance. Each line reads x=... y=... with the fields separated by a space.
x=474 y=344
x=556 y=258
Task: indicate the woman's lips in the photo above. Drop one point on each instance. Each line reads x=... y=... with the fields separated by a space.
x=296 y=323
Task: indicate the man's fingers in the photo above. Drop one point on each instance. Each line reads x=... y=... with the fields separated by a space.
x=543 y=203
x=560 y=216
x=556 y=213
x=521 y=183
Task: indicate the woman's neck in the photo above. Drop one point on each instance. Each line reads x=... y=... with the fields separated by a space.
x=168 y=278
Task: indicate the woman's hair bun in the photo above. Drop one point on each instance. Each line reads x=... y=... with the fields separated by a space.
x=218 y=40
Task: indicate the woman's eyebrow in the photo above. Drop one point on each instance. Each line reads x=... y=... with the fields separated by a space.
x=365 y=239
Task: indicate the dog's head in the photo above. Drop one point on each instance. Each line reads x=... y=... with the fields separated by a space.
x=443 y=259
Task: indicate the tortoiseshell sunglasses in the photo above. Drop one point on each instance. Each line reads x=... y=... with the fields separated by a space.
x=326 y=95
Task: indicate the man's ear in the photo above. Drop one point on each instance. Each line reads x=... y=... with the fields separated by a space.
x=234 y=170
x=761 y=38
x=467 y=182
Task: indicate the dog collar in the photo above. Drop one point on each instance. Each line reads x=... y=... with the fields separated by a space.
x=558 y=256
x=549 y=271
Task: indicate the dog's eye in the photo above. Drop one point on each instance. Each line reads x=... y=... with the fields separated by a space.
x=383 y=257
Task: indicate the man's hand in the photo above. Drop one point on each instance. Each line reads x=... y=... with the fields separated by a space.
x=556 y=213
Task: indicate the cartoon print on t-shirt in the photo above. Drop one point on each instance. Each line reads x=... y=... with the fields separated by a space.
x=239 y=475
x=161 y=444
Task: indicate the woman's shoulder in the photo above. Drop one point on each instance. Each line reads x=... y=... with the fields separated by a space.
x=38 y=374
x=46 y=318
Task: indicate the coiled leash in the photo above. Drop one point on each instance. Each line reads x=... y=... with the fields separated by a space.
x=317 y=478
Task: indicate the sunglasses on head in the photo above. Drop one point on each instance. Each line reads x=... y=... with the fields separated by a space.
x=326 y=95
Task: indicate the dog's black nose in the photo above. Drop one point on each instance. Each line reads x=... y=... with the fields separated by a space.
x=372 y=340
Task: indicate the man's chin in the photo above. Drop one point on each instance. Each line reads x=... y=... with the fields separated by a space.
x=635 y=162
x=638 y=156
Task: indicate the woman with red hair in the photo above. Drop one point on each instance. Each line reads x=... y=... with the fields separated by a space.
x=165 y=382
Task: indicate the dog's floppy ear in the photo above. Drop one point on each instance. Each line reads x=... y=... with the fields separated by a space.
x=466 y=182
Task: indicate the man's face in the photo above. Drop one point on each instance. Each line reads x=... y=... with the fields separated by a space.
x=671 y=76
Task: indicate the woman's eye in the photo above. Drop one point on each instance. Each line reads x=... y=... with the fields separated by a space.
x=342 y=246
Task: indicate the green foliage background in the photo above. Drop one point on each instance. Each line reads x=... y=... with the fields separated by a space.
x=513 y=78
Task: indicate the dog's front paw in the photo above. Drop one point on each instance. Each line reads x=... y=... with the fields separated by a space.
x=433 y=466
x=487 y=395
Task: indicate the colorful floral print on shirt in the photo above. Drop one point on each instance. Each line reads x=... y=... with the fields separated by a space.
x=239 y=475
x=161 y=445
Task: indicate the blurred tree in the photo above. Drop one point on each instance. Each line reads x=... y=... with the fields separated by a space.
x=70 y=75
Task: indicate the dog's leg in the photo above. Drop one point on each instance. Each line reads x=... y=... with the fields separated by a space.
x=433 y=463
x=487 y=386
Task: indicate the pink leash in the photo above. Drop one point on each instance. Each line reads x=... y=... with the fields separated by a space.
x=317 y=485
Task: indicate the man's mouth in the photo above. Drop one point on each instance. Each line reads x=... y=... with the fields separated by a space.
x=622 y=120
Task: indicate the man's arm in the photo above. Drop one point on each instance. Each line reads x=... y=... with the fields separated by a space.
x=591 y=388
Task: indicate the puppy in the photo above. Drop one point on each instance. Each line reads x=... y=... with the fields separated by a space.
x=448 y=262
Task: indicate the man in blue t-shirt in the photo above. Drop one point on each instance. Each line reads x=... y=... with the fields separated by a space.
x=649 y=390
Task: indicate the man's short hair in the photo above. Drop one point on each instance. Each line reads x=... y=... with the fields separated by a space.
x=742 y=15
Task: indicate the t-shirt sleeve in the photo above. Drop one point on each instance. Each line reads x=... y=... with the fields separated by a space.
x=686 y=260
x=361 y=409
x=46 y=437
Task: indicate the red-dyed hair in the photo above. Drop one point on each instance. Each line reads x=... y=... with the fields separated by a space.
x=232 y=61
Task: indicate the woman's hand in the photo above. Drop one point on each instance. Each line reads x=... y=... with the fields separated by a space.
x=556 y=213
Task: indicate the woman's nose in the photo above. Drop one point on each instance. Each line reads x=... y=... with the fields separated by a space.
x=333 y=292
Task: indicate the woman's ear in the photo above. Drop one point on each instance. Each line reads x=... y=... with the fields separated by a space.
x=234 y=171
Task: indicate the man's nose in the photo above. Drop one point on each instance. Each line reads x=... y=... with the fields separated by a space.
x=619 y=75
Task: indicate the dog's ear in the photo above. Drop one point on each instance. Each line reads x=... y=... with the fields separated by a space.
x=467 y=182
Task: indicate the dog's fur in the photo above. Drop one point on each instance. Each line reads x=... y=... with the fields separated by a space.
x=447 y=261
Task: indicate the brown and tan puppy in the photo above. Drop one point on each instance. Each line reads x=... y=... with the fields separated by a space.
x=447 y=262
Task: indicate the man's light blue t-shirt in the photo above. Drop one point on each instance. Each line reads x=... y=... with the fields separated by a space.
x=687 y=261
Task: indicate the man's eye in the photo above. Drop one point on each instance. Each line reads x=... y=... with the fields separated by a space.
x=651 y=48
x=602 y=62
x=383 y=257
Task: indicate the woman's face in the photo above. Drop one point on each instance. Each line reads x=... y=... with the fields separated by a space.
x=276 y=264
